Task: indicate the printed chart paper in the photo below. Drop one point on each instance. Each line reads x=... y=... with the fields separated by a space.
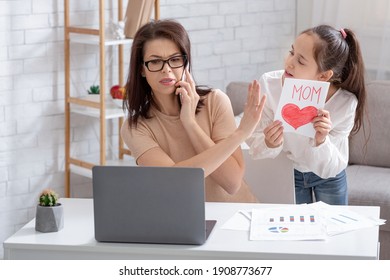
x=299 y=103
x=287 y=223
x=341 y=221
x=315 y=221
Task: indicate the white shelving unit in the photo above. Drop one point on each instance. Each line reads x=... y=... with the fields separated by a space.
x=113 y=111
x=86 y=172
x=93 y=40
x=103 y=108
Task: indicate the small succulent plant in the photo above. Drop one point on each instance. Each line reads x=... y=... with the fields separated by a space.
x=48 y=197
x=94 y=89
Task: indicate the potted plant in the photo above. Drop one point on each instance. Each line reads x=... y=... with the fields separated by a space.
x=94 y=93
x=50 y=213
x=94 y=89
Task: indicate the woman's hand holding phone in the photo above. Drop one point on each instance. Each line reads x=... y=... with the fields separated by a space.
x=188 y=96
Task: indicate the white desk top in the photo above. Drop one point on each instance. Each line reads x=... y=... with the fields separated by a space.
x=76 y=240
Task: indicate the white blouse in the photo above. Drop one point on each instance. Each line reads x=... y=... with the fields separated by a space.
x=326 y=160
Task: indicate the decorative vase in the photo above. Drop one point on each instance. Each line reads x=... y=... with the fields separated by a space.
x=49 y=218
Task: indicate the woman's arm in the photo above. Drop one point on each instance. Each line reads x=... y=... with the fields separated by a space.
x=224 y=155
x=230 y=173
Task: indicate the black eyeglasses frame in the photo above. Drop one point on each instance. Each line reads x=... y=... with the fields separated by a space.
x=146 y=63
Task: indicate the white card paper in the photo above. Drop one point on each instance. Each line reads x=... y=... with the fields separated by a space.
x=299 y=103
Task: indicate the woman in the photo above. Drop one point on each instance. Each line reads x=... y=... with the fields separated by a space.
x=173 y=122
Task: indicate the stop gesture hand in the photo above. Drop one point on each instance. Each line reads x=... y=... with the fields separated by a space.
x=253 y=109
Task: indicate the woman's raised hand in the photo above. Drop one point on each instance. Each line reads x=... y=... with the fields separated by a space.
x=253 y=109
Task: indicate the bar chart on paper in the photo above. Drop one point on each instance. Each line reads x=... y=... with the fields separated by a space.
x=311 y=218
x=291 y=223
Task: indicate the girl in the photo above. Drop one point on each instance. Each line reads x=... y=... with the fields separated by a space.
x=325 y=54
x=173 y=122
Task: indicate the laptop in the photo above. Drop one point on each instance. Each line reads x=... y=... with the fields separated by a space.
x=150 y=205
x=271 y=180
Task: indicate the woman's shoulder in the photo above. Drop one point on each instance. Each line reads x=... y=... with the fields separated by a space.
x=217 y=94
x=217 y=99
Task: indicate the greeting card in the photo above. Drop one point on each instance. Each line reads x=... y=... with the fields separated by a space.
x=299 y=103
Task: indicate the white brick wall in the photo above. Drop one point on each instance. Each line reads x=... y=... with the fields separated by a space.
x=231 y=40
x=234 y=40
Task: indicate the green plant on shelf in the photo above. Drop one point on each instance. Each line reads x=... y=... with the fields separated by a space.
x=94 y=89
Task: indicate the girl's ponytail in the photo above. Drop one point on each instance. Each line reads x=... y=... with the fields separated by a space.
x=353 y=76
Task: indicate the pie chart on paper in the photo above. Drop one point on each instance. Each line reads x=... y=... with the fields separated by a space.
x=278 y=229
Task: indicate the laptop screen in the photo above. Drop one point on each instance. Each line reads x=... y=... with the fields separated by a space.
x=149 y=204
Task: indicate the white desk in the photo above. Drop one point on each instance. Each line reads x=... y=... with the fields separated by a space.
x=76 y=240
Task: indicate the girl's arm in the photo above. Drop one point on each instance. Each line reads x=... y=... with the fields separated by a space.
x=257 y=141
x=329 y=158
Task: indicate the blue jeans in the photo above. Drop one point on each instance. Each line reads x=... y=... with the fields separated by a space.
x=310 y=188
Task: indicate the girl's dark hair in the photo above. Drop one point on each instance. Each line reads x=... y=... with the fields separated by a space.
x=138 y=92
x=341 y=54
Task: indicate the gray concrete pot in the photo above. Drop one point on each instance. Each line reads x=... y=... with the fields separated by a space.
x=49 y=218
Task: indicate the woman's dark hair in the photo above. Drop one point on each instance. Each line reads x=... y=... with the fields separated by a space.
x=339 y=51
x=138 y=92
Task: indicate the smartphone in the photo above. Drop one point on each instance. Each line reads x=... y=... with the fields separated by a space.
x=183 y=78
x=186 y=66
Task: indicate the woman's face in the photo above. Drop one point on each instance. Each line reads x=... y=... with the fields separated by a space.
x=300 y=62
x=162 y=81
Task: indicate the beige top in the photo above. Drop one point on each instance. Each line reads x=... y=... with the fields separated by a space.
x=167 y=132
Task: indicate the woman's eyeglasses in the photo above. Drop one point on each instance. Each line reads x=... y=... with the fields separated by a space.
x=156 y=65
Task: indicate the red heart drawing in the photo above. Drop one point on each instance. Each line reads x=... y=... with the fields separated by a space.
x=297 y=117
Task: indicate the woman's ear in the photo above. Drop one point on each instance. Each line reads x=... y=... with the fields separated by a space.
x=325 y=76
x=143 y=73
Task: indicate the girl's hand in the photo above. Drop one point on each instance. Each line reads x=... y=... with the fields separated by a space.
x=274 y=134
x=189 y=98
x=322 y=126
x=253 y=109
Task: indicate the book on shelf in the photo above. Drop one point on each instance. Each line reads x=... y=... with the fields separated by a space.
x=138 y=13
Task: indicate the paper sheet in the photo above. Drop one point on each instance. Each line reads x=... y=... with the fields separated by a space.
x=241 y=220
x=343 y=220
x=295 y=222
x=314 y=221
